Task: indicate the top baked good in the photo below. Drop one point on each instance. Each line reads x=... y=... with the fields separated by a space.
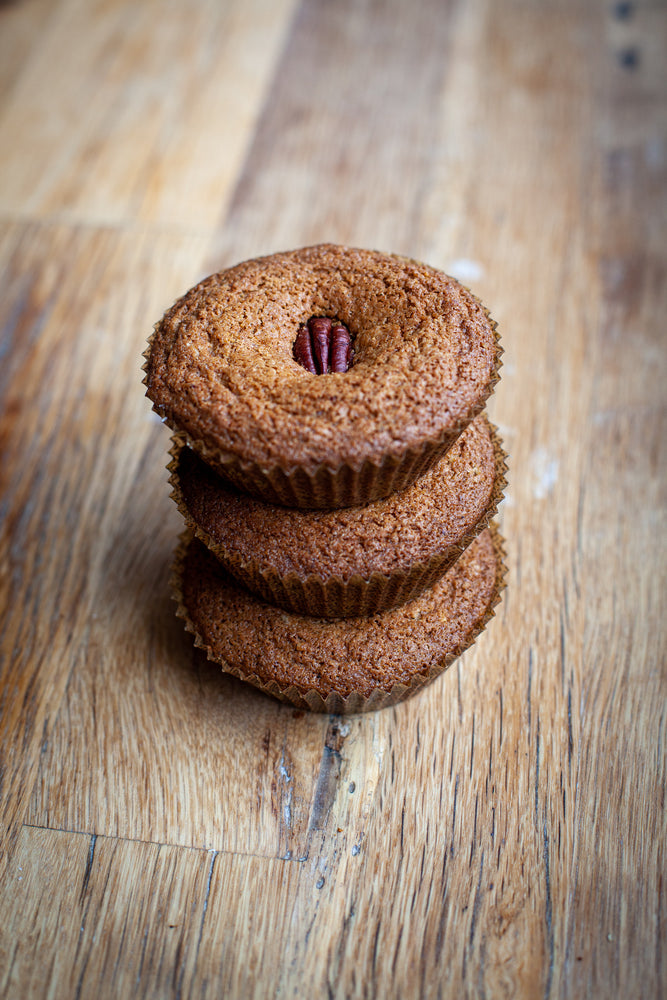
x=220 y=366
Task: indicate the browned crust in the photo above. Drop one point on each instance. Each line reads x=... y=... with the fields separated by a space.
x=345 y=700
x=334 y=595
x=322 y=443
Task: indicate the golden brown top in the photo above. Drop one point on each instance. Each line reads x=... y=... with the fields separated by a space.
x=221 y=367
x=437 y=513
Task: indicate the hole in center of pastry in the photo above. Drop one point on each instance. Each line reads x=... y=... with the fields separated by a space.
x=323 y=345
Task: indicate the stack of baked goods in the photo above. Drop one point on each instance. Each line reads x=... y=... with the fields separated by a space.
x=335 y=470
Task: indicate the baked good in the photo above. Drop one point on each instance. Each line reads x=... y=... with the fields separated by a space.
x=338 y=666
x=354 y=561
x=221 y=369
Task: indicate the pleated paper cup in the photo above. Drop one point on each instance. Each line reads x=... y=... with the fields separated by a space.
x=351 y=666
x=330 y=483
x=330 y=594
x=327 y=488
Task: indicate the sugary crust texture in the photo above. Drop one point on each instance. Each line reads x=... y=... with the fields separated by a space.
x=435 y=514
x=220 y=365
x=311 y=661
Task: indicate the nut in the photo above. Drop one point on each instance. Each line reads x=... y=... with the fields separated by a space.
x=323 y=346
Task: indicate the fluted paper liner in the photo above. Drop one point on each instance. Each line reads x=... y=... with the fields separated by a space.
x=354 y=702
x=345 y=485
x=333 y=596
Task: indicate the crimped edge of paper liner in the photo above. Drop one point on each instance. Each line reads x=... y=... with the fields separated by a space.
x=327 y=487
x=333 y=596
x=334 y=703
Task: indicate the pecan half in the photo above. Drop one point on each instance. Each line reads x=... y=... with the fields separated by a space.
x=341 y=348
x=303 y=350
x=323 y=345
x=320 y=332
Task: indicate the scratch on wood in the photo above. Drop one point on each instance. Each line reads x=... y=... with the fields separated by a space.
x=481 y=970
x=456 y=792
x=84 y=919
x=375 y=945
x=660 y=758
x=562 y=651
x=473 y=839
x=396 y=950
x=287 y=793
x=207 y=893
x=570 y=741
x=537 y=773
x=476 y=902
x=327 y=780
x=442 y=923
x=659 y=943
x=530 y=684
x=308 y=929
x=548 y=914
x=89 y=867
x=500 y=738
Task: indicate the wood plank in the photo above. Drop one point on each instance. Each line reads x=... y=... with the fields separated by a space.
x=73 y=328
x=141 y=111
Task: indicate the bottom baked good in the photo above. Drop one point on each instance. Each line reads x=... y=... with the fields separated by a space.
x=351 y=665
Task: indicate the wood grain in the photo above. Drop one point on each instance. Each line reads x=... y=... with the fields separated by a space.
x=104 y=937
x=155 y=105
x=170 y=832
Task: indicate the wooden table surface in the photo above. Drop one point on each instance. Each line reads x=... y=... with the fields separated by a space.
x=170 y=832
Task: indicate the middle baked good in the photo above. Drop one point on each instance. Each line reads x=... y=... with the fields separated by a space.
x=355 y=561
x=222 y=368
